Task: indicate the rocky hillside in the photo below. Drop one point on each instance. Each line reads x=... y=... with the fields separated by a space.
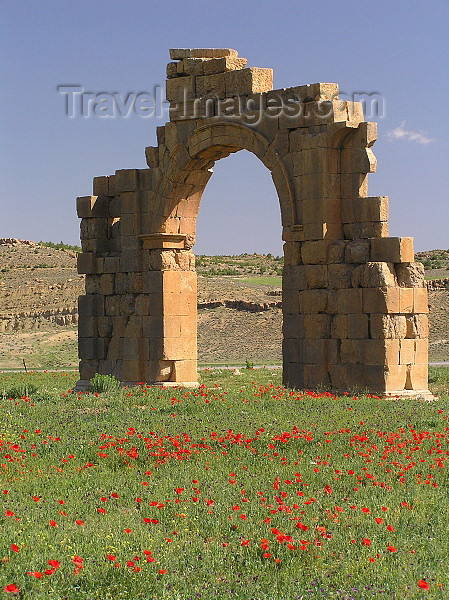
x=239 y=301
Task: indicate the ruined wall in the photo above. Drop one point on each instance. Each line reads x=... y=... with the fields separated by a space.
x=354 y=302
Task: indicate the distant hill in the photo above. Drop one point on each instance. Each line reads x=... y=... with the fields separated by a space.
x=239 y=302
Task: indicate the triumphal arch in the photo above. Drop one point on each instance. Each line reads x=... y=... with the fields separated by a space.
x=354 y=301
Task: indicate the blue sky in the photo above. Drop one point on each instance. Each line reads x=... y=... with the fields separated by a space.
x=397 y=49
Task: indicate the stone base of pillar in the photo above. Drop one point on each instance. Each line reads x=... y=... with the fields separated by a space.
x=168 y=384
x=425 y=395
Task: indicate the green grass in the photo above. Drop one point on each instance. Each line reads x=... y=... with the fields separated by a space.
x=239 y=489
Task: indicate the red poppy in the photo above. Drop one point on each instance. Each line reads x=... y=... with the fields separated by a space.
x=14 y=548
x=366 y=542
x=53 y=523
x=101 y=510
x=390 y=527
x=79 y=522
x=9 y=513
x=11 y=589
x=111 y=557
x=391 y=548
x=162 y=571
x=36 y=574
x=422 y=583
x=54 y=563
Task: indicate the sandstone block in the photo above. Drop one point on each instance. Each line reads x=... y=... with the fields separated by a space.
x=358 y=326
x=336 y=251
x=340 y=276
x=405 y=300
x=420 y=300
x=248 y=81
x=211 y=85
x=351 y=351
x=290 y=302
x=190 y=66
x=381 y=300
x=421 y=351
x=142 y=305
x=112 y=305
x=180 y=53
x=357 y=251
x=104 y=327
x=91 y=306
x=395 y=377
x=129 y=225
x=407 y=352
x=417 y=326
x=185 y=370
x=129 y=348
x=293 y=350
x=316 y=376
x=293 y=326
x=171 y=70
x=292 y=254
x=380 y=352
x=131 y=371
x=349 y=301
x=410 y=275
x=394 y=250
x=374 y=274
x=384 y=326
x=417 y=377
x=323 y=352
x=180 y=89
x=134 y=327
x=107 y=281
x=314 y=252
x=86 y=263
x=88 y=207
x=126 y=180
x=293 y=375
x=178 y=348
x=91 y=348
x=88 y=368
x=313 y=301
x=226 y=63
x=294 y=277
x=316 y=276
x=339 y=328
x=317 y=326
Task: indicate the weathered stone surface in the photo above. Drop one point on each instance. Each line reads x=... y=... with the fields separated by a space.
x=354 y=301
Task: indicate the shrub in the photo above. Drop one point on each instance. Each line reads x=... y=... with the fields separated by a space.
x=19 y=390
x=104 y=383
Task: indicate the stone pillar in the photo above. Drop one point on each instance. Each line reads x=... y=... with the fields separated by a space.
x=170 y=330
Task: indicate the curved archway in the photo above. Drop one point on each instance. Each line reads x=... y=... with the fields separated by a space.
x=354 y=303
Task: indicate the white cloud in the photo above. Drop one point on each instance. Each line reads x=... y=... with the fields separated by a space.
x=409 y=136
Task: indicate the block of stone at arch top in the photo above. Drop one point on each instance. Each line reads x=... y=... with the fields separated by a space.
x=180 y=53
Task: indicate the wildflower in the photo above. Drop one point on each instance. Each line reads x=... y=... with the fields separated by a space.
x=422 y=583
x=11 y=589
x=14 y=548
x=366 y=542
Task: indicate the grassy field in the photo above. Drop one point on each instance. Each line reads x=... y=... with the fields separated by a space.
x=239 y=489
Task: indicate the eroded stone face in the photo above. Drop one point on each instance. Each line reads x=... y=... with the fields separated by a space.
x=354 y=301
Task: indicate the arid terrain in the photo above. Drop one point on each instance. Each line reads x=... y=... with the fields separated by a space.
x=239 y=302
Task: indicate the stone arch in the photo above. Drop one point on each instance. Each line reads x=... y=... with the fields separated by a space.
x=354 y=301
x=188 y=177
